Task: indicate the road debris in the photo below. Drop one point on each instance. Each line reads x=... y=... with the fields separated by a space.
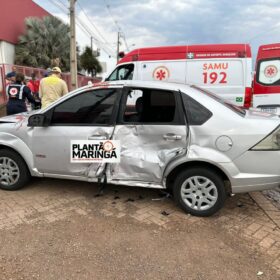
x=163 y=195
x=164 y=213
x=130 y=200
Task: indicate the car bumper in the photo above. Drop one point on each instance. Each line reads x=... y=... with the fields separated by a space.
x=254 y=171
x=241 y=188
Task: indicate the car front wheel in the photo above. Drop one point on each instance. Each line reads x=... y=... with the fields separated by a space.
x=199 y=191
x=14 y=173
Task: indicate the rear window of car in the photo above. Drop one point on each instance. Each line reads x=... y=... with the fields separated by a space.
x=196 y=113
x=234 y=108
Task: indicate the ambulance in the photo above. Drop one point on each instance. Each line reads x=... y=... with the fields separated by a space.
x=266 y=87
x=225 y=69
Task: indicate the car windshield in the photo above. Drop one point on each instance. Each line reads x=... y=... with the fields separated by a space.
x=229 y=105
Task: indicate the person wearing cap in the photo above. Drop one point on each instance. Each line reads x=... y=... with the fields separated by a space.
x=10 y=77
x=17 y=93
x=52 y=87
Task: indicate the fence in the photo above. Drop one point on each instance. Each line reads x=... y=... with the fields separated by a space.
x=27 y=71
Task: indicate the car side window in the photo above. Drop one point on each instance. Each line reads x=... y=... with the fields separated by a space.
x=196 y=113
x=150 y=106
x=91 y=107
x=123 y=72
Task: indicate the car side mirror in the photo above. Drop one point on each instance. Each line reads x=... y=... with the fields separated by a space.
x=37 y=120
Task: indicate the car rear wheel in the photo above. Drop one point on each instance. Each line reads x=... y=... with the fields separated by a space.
x=14 y=173
x=199 y=191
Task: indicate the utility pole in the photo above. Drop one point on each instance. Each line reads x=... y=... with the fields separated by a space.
x=118 y=45
x=73 y=50
x=91 y=43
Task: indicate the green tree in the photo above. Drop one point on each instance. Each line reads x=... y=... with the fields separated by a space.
x=46 y=43
x=89 y=62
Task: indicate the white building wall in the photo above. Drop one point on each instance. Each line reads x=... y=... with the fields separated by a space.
x=7 y=52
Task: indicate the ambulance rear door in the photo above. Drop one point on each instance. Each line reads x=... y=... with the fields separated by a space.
x=230 y=78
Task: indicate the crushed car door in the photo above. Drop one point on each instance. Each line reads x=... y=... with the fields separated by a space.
x=152 y=131
x=89 y=115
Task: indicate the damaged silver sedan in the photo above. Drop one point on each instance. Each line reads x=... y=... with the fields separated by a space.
x=170 y=136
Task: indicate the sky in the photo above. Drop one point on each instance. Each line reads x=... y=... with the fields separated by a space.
x=164 y=22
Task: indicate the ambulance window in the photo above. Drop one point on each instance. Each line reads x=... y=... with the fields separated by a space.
x=123 y=72
x=91 y=107
x=268 y=72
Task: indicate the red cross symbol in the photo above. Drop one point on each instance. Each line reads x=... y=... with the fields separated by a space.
x=161 y=73
x=270 y=71
x=13 y=91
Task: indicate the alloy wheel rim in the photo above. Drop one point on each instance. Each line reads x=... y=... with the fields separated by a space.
x=9 y=171
x=199 y=193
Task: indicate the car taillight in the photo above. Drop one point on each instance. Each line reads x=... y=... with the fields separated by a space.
x=269 y=143
x=248 y=97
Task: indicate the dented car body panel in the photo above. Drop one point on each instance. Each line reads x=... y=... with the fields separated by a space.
x=150 y=151
x=145 y=153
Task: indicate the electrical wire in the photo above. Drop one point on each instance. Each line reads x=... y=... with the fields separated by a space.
x=116 y=23
x=264 y=32
x=94 y=26
x=83 y=27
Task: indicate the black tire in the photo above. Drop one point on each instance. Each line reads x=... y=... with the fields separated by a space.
x=9 y=162
x=212 y=192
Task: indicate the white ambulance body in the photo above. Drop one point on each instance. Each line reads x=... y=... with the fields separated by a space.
x=224 y=69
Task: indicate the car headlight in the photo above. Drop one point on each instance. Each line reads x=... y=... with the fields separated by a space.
x=269 y=143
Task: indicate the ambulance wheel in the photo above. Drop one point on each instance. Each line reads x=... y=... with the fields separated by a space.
x=14 y=173
x=199 y=191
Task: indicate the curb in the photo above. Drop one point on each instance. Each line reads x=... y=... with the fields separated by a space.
x=267 y=206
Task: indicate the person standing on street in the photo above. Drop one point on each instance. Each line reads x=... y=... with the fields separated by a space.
x=10 y=77
x=34 y=84
x=52 y=87
x=17 y=93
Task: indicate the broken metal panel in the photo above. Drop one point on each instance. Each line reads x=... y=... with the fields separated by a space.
x=145 y=152
x=137 y=184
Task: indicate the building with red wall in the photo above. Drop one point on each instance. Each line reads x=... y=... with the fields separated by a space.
x=13 y=15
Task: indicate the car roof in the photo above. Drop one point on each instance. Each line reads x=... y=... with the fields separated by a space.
x=140 y=83
x=192 y=91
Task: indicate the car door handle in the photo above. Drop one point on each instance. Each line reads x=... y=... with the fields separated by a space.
x=97 y=137
x=172 y=136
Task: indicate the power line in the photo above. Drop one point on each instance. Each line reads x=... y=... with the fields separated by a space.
x=94 y=26
x=110 y=13
x=264 y=32
x=105 y=45
x=116 y=23
x=61 y=6
x=89 y=31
